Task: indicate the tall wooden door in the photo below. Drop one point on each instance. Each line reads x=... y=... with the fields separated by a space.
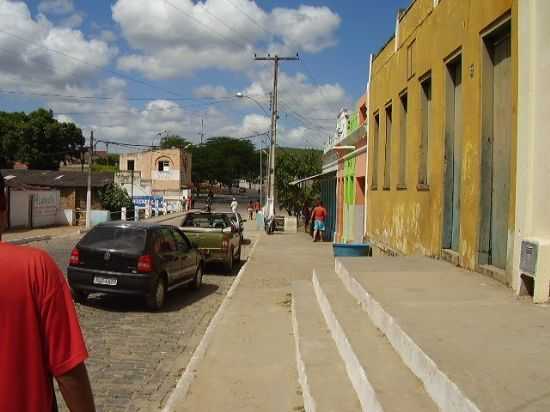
x=497 y=150
x=453 y=156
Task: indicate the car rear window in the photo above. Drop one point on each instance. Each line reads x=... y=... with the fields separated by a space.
x=115 y=238
x=204 y=221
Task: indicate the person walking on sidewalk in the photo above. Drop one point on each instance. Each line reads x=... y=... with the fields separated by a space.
x=319 y=216
x=306 y=213
x=251 y=210
x=40 y=336
x=234 y=206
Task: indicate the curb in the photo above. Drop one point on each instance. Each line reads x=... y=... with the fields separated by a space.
x=26 y=240
x=181 y=390
x=443 y=391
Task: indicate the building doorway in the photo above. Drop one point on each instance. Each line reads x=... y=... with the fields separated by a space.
x=453 y=155
x=496 y=147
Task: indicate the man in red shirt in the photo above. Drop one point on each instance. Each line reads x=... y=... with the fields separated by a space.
x=319 y=216
x=40 y=337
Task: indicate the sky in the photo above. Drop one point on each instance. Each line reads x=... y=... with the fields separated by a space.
x=135 y=70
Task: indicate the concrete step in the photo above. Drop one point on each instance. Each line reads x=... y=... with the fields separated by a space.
x=382 y=381
x=325 y=384
x=388 y=286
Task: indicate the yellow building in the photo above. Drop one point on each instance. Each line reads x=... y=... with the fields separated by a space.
x=442 y=135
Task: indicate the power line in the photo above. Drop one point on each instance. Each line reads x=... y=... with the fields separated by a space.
x=76 y=97
x=223 y=23
x=208 y=27
x=253 y=20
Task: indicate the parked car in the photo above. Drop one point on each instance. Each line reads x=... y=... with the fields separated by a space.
x=216 y=237
x=130 y=258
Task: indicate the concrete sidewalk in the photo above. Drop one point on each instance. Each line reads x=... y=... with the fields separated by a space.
x=250 y=363
x=26 y=235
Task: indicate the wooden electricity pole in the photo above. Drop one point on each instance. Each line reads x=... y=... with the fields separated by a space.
x=271 y=195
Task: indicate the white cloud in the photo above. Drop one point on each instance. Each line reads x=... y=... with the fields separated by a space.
x=216 y=92
x=178 y=37
x=58 y=7
x=307 y=28
x=307 y=111
x=73 y=21
x=107 y=36
x=26 y=56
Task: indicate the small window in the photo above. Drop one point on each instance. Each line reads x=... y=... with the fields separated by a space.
x=164 y=165
x=375 y=154
x=426 y=115
x=363 y=114
x=131 y=165
x=410 y=60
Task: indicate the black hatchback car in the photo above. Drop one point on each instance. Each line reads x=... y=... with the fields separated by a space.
x=128 y=258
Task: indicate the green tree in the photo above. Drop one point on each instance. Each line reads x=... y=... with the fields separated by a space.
x=37 y=139
x=294 y=164
x=168 y=142
x=11 y=128
x=223 y=160
x=114 y=198
x=107 y=164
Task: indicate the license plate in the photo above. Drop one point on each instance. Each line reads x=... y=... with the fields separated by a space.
x=98 y=280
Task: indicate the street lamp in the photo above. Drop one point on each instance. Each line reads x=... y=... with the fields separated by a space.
x=241 y=95
x=271 y=177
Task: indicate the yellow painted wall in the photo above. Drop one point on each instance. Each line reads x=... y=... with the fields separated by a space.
x=410 y=221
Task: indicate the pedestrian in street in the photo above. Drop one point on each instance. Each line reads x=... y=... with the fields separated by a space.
x=251 y=210
x=234 y=206
x=319 y=217
x=306 y=213
x=40 y=336
x=257 y=206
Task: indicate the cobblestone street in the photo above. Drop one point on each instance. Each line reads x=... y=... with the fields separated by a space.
x=136 y=356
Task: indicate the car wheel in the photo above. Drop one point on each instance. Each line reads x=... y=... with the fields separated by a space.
x=197 y=280
x=79 y=296
x=230 y=262
x=156 y=300
x=239 y=254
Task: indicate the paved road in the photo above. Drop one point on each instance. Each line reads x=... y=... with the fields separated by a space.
x=136 y=357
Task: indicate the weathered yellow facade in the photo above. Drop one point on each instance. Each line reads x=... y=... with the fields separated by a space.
x=405 y=217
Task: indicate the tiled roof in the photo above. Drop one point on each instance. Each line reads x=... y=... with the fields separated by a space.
x=49 y=178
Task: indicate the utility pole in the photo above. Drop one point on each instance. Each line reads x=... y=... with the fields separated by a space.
x=261 y=174
x=201 y=134
x=274 y=117
x=89 y=191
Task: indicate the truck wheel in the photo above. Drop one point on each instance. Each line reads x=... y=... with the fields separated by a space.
x=156 y=300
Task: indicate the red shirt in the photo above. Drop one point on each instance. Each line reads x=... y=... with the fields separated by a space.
x=39 y=332
x=319 y=213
